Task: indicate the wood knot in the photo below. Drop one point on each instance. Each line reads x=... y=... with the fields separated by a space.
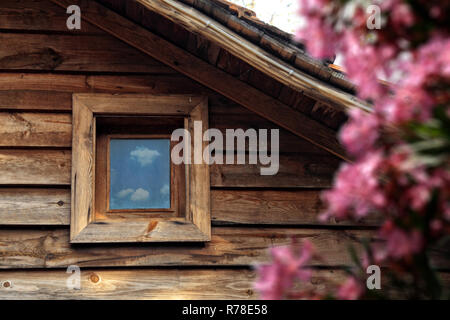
x=152 y=225
x=7 y=284
x=94 y=278
x=60 y=203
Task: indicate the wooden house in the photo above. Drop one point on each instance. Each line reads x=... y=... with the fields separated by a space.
x=194 y=59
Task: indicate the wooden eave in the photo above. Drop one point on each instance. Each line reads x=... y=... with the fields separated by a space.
x=195 y=21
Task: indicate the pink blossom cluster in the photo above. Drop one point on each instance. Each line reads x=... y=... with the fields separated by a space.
x=389 y=176
x=289 y=263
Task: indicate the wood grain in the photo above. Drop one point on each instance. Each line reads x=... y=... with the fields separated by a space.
x=34 y=206
x=295 y=171
x=49 y=206
x=83 y=168
x=35 y=130
x=81 y=53
x=50 y=248
x=160 y=284
x=79 y=83
x=139 y=284
x=40 y=15
x=49 y=167
x=35 y=167
x=275 y=207
x=224 y=114
x=195 y=224
x=35 y=100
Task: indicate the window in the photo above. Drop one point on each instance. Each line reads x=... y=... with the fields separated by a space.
x=139 y=173
x=125 y=188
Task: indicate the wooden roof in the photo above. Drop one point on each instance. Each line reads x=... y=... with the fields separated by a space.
x=281 y=44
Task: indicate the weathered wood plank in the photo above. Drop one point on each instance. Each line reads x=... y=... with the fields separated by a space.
x=50 y=248
x=35 y=129
x=48 y=167
x=35 y=100
x=224 y=114
x=161 y=284
x=38 y=15
x=82 y=53
x=158 y=284
x=44 y=206
x=35 y=167
x=295 y=171
x=276 y=207
x=33 y=206
x=73 y=83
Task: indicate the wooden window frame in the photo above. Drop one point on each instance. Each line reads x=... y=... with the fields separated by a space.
x=86 y=227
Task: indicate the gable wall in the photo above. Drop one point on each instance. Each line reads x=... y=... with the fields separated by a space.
x=41 y=66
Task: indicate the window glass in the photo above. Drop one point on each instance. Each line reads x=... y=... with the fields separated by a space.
x=139 y=174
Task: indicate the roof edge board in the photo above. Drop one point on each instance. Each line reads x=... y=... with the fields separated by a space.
x=197 y=22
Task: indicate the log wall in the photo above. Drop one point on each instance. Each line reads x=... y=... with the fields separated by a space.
x=41 y=65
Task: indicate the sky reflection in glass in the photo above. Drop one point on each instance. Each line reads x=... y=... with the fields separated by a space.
x=139 y=174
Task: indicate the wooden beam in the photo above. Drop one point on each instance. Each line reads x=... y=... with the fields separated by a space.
x=34 y=167
x=34 y=206
x=52 y=167
x=51 y=206
x=199 y=23
x=24 y=129
x=139 y=284
x=208 y=75
x=82 y=53
x=161 y=284
x=50 y=248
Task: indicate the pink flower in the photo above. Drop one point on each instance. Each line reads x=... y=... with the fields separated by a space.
x=364 y=64
x=360 y=133
x=351 y=289
x=401 y=15
x=317 y=35
x=412 y=99
x=357 y=190
x=319 y=39
x=399 y=243
x=288 y=264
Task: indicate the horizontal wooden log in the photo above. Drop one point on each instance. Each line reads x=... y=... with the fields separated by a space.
x=28 y=92
x=295 y=171
x=83 y=53
x=38 y=16
x=24 y=129
x=136 y=284
x=51 y=206
x=139 y=284
x=35 y=129
x=78 y=83
x=276 y=207
x=34 y=206
x=50 y=167
x=159 y=284
x=35 y=100
x=50 y=248
x=35 y=167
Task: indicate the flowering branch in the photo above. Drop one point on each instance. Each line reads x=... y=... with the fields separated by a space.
x=402 y=175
